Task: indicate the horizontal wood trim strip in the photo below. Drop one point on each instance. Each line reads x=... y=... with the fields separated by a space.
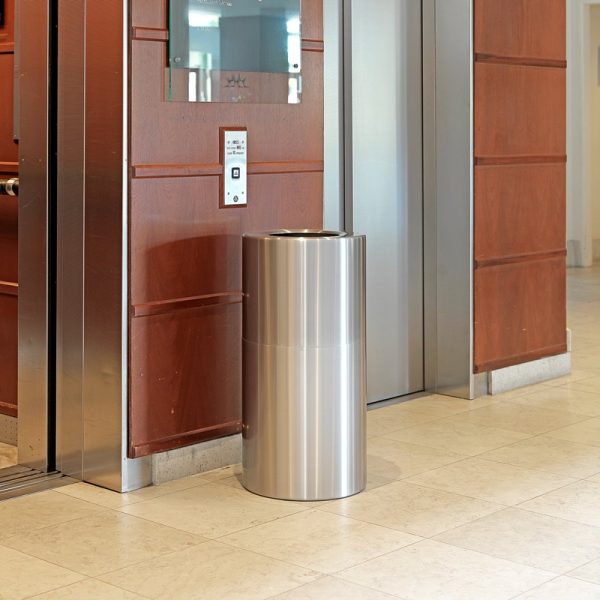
x=509 y=260
x=313 y=45
x=7 y=48
x=511 y=361
x=168 y=306
x=483 y=161
x=521 y=61
x=190 y=170
x=10 y=410
x=186 y=439
x=150 y=34
x=215 y=169
x=8 y=288
x=9 y=167
x=273 y=168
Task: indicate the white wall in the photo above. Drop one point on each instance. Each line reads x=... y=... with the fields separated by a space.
x=594 y=127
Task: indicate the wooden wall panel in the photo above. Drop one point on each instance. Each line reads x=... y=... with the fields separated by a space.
x=520 y=312
x=520 y=111
x=520 y=188
x=286 y=138
x=530 y=29
x=196 y=249
x=8 y=148
x=186 y=367
x=522 y=209
x=9 y=157
x=185 y=251
x=8 y=351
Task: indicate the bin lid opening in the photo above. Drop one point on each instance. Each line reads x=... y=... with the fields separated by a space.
x=308 y=234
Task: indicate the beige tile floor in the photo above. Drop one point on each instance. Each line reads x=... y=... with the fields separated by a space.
x=493 y=499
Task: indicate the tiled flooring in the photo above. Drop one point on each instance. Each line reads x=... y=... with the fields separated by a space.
x=493 y=499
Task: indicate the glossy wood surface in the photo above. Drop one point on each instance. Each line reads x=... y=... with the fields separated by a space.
x=519 y=110
x=520 y=181
x=9 y=152
x=519 y=314
x=185 y=251
x=520 y=210
x=531 y=29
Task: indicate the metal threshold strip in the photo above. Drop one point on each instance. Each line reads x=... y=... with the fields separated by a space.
x=21 y=481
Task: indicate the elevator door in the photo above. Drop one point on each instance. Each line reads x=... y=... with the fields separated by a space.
x=387 y=196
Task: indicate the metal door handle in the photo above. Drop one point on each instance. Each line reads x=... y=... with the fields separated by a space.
x=9 y=187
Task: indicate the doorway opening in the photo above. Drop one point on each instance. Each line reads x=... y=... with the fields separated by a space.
x=28 y=248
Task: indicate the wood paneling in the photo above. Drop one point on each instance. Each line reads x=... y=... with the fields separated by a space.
x=520 y=312
x=8 y=354
x=9 y=157
x=185 y=252
x=186 y=367
x=522 y=210
x=519 y=110
x=520 y=188
x=287 y=136
x=531 y=29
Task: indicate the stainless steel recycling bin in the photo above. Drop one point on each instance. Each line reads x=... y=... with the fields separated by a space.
x=304 y=379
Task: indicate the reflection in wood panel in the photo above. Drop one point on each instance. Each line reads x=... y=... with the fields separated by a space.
x=185 y=252
x=9 y=156
x=8 y=354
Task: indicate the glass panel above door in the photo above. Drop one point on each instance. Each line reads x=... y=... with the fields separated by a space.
x=245 y=51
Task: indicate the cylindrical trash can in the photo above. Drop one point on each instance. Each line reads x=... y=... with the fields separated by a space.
x=304 y=367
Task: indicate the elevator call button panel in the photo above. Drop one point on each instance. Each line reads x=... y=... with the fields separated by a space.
x=234 y=156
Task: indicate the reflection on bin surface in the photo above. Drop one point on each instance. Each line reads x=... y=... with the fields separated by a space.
x=304 y=379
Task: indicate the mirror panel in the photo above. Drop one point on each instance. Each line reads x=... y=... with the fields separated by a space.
x=246 y=51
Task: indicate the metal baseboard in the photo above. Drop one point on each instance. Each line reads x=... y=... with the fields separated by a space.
x=21 y=481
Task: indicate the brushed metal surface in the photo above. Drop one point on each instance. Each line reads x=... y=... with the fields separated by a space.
x=33 y=235
x=454 y=197
x=387 y=198
x=70 y=251
x=304 y=386
x=92 y=327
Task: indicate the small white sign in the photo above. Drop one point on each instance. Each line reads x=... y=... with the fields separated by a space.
x=235 y=189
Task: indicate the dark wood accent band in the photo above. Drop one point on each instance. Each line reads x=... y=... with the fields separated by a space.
x=9 y=167
x=521 y=61
x=8 y=288
x=509 y=260
x=484 y=161
x=521 y=358
x=186 y=439
x=215 y=169
x=168 y=306
x=274 y=168
x=313 y=46
x=150 y=34
x=7 y=48
x=9 y=410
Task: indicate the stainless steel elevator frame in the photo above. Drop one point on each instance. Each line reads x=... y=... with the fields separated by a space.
x=447 y=177
x=92 y=243
x=92 y=334
x=33 y=233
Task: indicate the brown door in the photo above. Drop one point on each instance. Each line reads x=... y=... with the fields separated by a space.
x=8 y=221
